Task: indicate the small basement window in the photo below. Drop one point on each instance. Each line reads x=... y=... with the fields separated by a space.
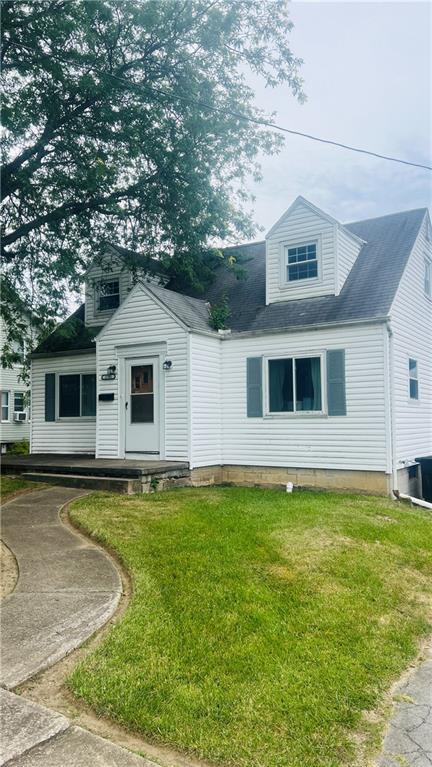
x=301 y=262
x=109 y=295
x=77 y=395
x=413 y=379
x=294 y=385
x=413 y=472
x=5 y=406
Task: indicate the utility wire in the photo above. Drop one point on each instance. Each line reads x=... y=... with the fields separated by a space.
x=268 y=124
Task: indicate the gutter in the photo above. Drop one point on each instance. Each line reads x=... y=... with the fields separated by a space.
x=64 y=353
x=414 y=501
x=303 y=328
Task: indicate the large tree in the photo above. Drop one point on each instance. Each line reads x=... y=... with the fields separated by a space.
x=121 y=123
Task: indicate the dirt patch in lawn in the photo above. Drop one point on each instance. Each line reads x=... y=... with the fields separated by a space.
x=8 y=571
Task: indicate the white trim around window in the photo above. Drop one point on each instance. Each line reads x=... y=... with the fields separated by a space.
x=79 y=417
x=413 y=380
x=5 y=405
x=296 y=413
x=285 y=246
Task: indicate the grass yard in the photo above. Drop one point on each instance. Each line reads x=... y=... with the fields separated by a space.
x=10 y=485
x=265 y=628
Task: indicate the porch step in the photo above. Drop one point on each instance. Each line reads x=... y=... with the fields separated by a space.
x=109 y=484
x=94 y=467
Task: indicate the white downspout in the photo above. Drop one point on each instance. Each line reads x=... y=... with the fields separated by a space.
x=395 y=487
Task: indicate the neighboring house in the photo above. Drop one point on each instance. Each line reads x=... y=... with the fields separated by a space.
x=14 y=392
x=324 y=377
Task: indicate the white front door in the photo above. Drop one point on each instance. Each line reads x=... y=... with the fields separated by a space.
x=142 y=405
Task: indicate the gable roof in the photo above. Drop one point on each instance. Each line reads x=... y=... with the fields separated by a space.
x=318 y=212
x=367 y=294
x=192 y=312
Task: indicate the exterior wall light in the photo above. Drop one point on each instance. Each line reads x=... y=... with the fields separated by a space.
x=110 y=375
x=167 y=365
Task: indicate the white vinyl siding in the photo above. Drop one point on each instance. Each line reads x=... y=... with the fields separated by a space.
x=411 y=321
x=74 y=435
x=96 y=274
x=141 y=322
x=11 y=381
x=301 y=225
x=355 y=441
x=207 y=394
x=347 y=252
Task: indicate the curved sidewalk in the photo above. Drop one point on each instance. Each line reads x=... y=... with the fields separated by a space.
x=67 y=589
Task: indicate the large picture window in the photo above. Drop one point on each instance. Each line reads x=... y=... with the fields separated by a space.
x=301 y=262
x=77 y=395
x=294 y=385
x=109 y=295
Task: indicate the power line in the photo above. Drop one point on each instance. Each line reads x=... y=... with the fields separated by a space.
x=268 y=124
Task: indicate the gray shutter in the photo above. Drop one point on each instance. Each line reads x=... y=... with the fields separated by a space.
x=336 y=396
x=50 y=387
x=254 y=387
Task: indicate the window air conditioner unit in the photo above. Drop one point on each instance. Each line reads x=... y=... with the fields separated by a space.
x=20 y=416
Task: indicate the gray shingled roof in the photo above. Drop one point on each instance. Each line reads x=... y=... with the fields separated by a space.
x=368 y=292
x=193 y=312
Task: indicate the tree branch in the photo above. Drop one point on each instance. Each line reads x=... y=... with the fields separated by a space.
x=70 y=209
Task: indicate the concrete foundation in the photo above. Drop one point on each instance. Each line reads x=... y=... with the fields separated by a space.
x=374 y=482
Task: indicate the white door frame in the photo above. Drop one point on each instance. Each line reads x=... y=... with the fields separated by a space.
x=126 y=354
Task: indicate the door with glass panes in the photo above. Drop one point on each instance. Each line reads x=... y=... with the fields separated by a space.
x=142 y=406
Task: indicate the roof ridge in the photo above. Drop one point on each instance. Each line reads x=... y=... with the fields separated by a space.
x=176 y=292
x=386 y=215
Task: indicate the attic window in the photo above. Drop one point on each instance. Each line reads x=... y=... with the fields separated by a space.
x=301 y=262
x=109 y=295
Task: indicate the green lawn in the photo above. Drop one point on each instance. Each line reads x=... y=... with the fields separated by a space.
x=265 y=628
x=10 y=485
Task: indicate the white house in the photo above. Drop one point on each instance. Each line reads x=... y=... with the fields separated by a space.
x=323 y=377
x=14 y=424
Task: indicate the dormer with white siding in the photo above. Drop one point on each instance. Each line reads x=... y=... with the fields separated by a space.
x=308 y=254
x=107 y=283
x=110 y=278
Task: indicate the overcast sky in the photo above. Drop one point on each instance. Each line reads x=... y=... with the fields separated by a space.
x=367 y=72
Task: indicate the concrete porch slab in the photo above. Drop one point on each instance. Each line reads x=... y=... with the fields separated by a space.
x=87 y=464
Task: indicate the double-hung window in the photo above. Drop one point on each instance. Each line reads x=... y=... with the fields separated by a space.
x=19 y=402
x=301 y=261
x=294 y=385
x=413 y=379
x=5 y=406
x=109 y=295
x=77 y=395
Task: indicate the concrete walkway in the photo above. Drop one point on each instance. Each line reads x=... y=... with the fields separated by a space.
x=67 y=589
x=408 y=742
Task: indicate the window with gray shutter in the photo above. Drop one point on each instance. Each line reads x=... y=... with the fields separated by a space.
x=50 y=387
x=336 y=394
x=254 y=387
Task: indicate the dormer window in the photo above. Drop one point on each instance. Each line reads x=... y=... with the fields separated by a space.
x=301 y=261
x=109 y=295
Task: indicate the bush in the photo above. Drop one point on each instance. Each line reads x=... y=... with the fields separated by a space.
x=19 y=448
